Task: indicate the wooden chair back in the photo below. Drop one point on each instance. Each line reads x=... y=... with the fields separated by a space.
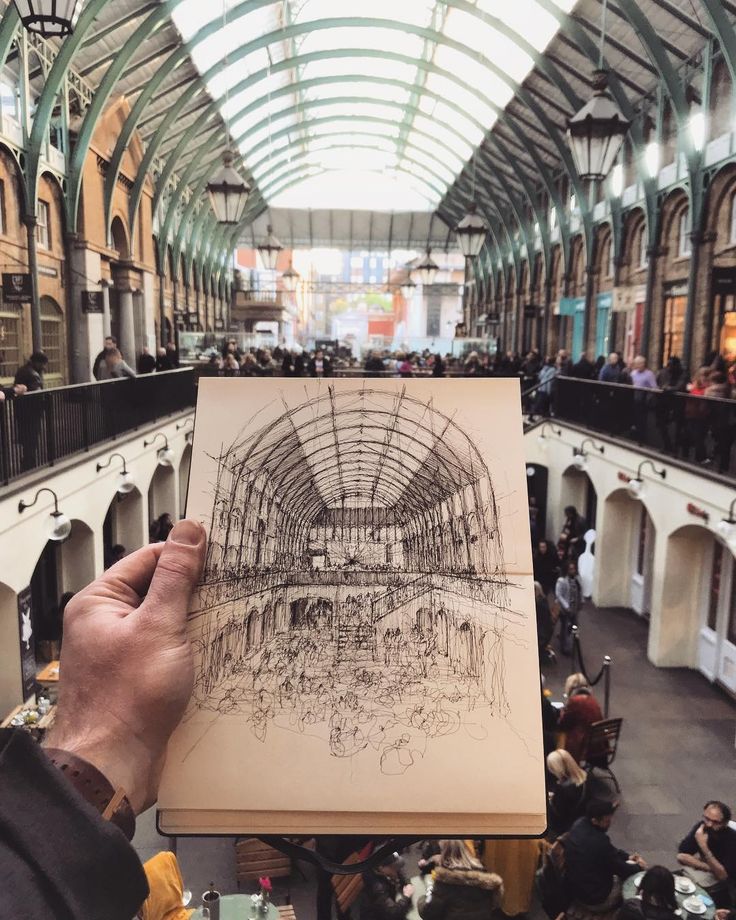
x=348 y=888
x=256 y=859
x=603 y=742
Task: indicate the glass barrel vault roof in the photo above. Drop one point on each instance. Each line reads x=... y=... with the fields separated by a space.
x=331 y=107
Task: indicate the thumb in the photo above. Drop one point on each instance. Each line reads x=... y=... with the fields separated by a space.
x=177 y=573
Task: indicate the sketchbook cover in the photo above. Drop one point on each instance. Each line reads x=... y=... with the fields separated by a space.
x=365 y=631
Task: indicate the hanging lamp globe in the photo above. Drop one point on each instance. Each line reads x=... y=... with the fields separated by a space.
x=49 y=17
x=427 y=270
x=408 y=289
x=228 y=192
x=290 y=279
x=270 y=251
x=471 y=233
x=596 y=133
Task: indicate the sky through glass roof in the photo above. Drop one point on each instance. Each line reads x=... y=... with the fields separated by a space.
x=333 y=108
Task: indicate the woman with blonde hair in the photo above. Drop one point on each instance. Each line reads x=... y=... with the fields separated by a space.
x=569 y=794
x=579 y=712
x=462 y=889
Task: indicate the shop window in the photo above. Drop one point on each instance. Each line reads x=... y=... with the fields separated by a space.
x=732 y=233
x=43 y=227
x=52 y=336
x=714 y=592
x=10 y=341
x=674 y=326
x=684 y=246
x=643 y=258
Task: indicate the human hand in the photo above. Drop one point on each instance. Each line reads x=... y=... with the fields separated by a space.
x=408 y=890
x=639 y=860
x=701 y=837
x=722 y=913
x=127 y=664
x=19 y=389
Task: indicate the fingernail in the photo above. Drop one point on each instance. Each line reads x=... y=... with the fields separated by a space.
x=188 y=533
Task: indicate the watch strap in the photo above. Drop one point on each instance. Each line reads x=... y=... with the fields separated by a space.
x=95 y=788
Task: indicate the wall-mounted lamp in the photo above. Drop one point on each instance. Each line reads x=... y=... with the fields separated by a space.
x=126 y=483
x=189 y=437
x=580 y=456
x=60 y=526
x=727 y=526
x=542 y=437
x=636 y=486
x=165 y=455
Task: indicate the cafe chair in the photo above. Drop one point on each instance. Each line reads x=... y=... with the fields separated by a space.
x=601 y=747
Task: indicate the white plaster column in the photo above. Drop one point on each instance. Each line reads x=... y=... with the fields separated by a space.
x=127 y=326
x=106 y=323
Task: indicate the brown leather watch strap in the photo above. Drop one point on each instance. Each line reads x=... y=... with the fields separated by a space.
x=96 y=789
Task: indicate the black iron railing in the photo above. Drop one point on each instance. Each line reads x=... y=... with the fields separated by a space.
x=39 y=429
x=695 y=429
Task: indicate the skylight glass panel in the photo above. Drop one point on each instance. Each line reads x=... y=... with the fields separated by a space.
x=352 y=46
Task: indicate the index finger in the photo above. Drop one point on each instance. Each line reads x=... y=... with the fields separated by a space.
x=128 y=580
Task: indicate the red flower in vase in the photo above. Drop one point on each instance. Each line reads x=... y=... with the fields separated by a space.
x=266 y=886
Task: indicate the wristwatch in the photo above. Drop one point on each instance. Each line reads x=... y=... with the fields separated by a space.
x=95 y=788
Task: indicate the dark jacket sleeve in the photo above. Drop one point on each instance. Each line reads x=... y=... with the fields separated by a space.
x=382 y=903
x=58 y=857
x=689 y=844
x=434 y=909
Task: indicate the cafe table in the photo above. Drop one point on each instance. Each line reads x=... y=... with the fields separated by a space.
x=631 y=890
x=48 y=676
x=240 y=907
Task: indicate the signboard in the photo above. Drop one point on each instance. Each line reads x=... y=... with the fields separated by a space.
x=17 y=288
x=626 y=297
x=27 y=645
x=569 y=306
x=724 y=281
x=92 y=302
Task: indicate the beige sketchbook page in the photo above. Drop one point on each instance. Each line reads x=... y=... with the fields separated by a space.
x=365 y=634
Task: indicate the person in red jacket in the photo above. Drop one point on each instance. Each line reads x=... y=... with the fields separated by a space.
x=580 y=711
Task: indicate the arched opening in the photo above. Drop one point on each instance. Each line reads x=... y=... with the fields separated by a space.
x=698 y=619
x=627 y=534
x=537 y=480
x=676 y=241
x=119 y=238
x=628 y=318
x=53 y=341
x=578 y=490
x=62 y=569
x=161 y=498
x=184 y=469
x=123 y=531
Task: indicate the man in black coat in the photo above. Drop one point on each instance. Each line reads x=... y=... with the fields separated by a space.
x=708 y=853
x=30 y=374
x=386 y=892
x=594 y=867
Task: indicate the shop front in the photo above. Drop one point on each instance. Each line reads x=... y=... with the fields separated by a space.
x=673 y=331
x=603 y=312
x=628 y=305
x=574 y=307
x=723 y=311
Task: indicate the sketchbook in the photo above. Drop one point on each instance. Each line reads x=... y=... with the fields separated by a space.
x=364 y=632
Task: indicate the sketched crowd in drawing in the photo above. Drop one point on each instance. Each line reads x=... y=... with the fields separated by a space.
x=355 y=585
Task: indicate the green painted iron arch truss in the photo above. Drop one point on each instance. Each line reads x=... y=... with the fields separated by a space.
x=457 y=99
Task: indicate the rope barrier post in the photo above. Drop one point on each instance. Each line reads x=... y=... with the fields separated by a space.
x=606 y=684
x=576 y=653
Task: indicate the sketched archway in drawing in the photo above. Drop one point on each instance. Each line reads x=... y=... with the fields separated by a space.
x=361 y=525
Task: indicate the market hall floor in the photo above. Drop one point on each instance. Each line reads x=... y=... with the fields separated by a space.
x=676 y=751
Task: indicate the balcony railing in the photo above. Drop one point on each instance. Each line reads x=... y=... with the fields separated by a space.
x=698 y=430
x=40 y=429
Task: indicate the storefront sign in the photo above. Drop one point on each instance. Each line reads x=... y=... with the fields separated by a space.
x=92 y=302
x=17 y=288
x=724 y=281
x=27 y=644
x=604 y=301
x=530 y=311
x=677 y=289
x=626 y=297
x=47 y=271
x=569 y=306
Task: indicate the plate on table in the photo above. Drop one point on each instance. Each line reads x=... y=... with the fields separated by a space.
x=637 y=879
x=684 y=885
x=694 y=905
